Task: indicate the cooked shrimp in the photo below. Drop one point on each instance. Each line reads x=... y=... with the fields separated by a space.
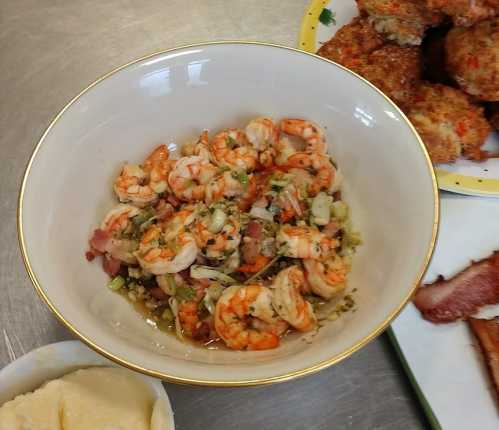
x=289 y=302
x=131 y=186
x=244 y=318
x=177 y=223
x=217 y=242
x=199 y=147
x=304 y=242
x=263 y=134
x=188 y=313
x=229 y=184
x=190 y=176
x=160 y=257
x=231 y=148
x=327 y=278
x=309 y=132
x=322 y=168
x=116 y=223
x=158 y=165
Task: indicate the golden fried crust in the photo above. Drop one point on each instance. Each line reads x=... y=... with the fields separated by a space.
x=395 y=70
x=351 y=43
x=472 y=58
x=448 y=122
x=402 y=21
x=465 y=12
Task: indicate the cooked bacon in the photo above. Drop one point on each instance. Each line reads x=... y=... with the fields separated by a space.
x=487 y=333
x=250 y=249
x=110 y=265
x=158 y=293
x=99 y=240
x=163 y=210
x=461 y=296
x=254 y=229
x=89 y=255
x=332 y=228
x=173 y=200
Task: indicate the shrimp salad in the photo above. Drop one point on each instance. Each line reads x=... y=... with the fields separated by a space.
x=242 y=240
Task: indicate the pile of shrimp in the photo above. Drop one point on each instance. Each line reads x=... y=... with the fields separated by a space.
x=240 y=240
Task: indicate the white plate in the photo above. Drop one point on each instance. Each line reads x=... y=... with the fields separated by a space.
x=464 y=176
x=445 y=359
x=30 y=371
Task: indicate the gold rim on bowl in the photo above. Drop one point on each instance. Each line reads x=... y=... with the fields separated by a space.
x=206 y=382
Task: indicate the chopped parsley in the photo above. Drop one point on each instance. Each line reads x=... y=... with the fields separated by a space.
x=230 y=142
x=241 y=176
x=327 y=17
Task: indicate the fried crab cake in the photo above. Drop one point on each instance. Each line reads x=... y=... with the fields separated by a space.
x=448 y=122
x=465 y=12
x=472 y=58
x=395 y=70
x=351 y=43
x=401 y=21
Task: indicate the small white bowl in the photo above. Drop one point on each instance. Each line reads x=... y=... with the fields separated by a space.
x=171 y=97
x=30 y=371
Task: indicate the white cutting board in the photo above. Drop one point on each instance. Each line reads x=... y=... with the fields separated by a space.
x=445 y=359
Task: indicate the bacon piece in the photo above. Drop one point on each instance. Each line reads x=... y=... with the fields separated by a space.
x=254 y=229
x=89 y=255
x=173 y=200
x=110 y=265
x=462 y=295
x=487 y=333
x=100 y=240
x=158 y=293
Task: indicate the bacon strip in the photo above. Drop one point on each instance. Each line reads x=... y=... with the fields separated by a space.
x=461 y=296
x=487 y=333
x=99 y=240
x=110 y=265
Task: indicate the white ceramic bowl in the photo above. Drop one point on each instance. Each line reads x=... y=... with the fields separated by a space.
x=30 y=371
x=171 y=96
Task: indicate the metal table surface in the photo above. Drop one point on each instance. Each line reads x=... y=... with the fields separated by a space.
x=49 y=51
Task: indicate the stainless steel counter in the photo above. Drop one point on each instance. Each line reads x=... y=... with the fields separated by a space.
x=49 y=51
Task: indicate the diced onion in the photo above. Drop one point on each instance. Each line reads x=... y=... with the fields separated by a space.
x=257 y=212
x=339 y=210
x=116 y=283
x=172 y=301
x=167 y=283
x=321 y=208
x=217 y=221
x=206 y=272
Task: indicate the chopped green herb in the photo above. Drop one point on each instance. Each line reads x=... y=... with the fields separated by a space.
x=116 y=283
x=241 y=176
x=230 y=142
x=167 y=315
x=185 y=293
x=327 y=17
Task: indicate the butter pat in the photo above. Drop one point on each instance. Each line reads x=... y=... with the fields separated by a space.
x=95 y=398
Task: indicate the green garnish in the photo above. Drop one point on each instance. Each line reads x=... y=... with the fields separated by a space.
x=327 y=17
x=230 y=142
x=116 y=283
x=167 y=315
x=185 y=293
x=241 y=176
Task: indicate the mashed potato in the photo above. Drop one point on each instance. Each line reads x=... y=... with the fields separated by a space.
x=95 y=398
